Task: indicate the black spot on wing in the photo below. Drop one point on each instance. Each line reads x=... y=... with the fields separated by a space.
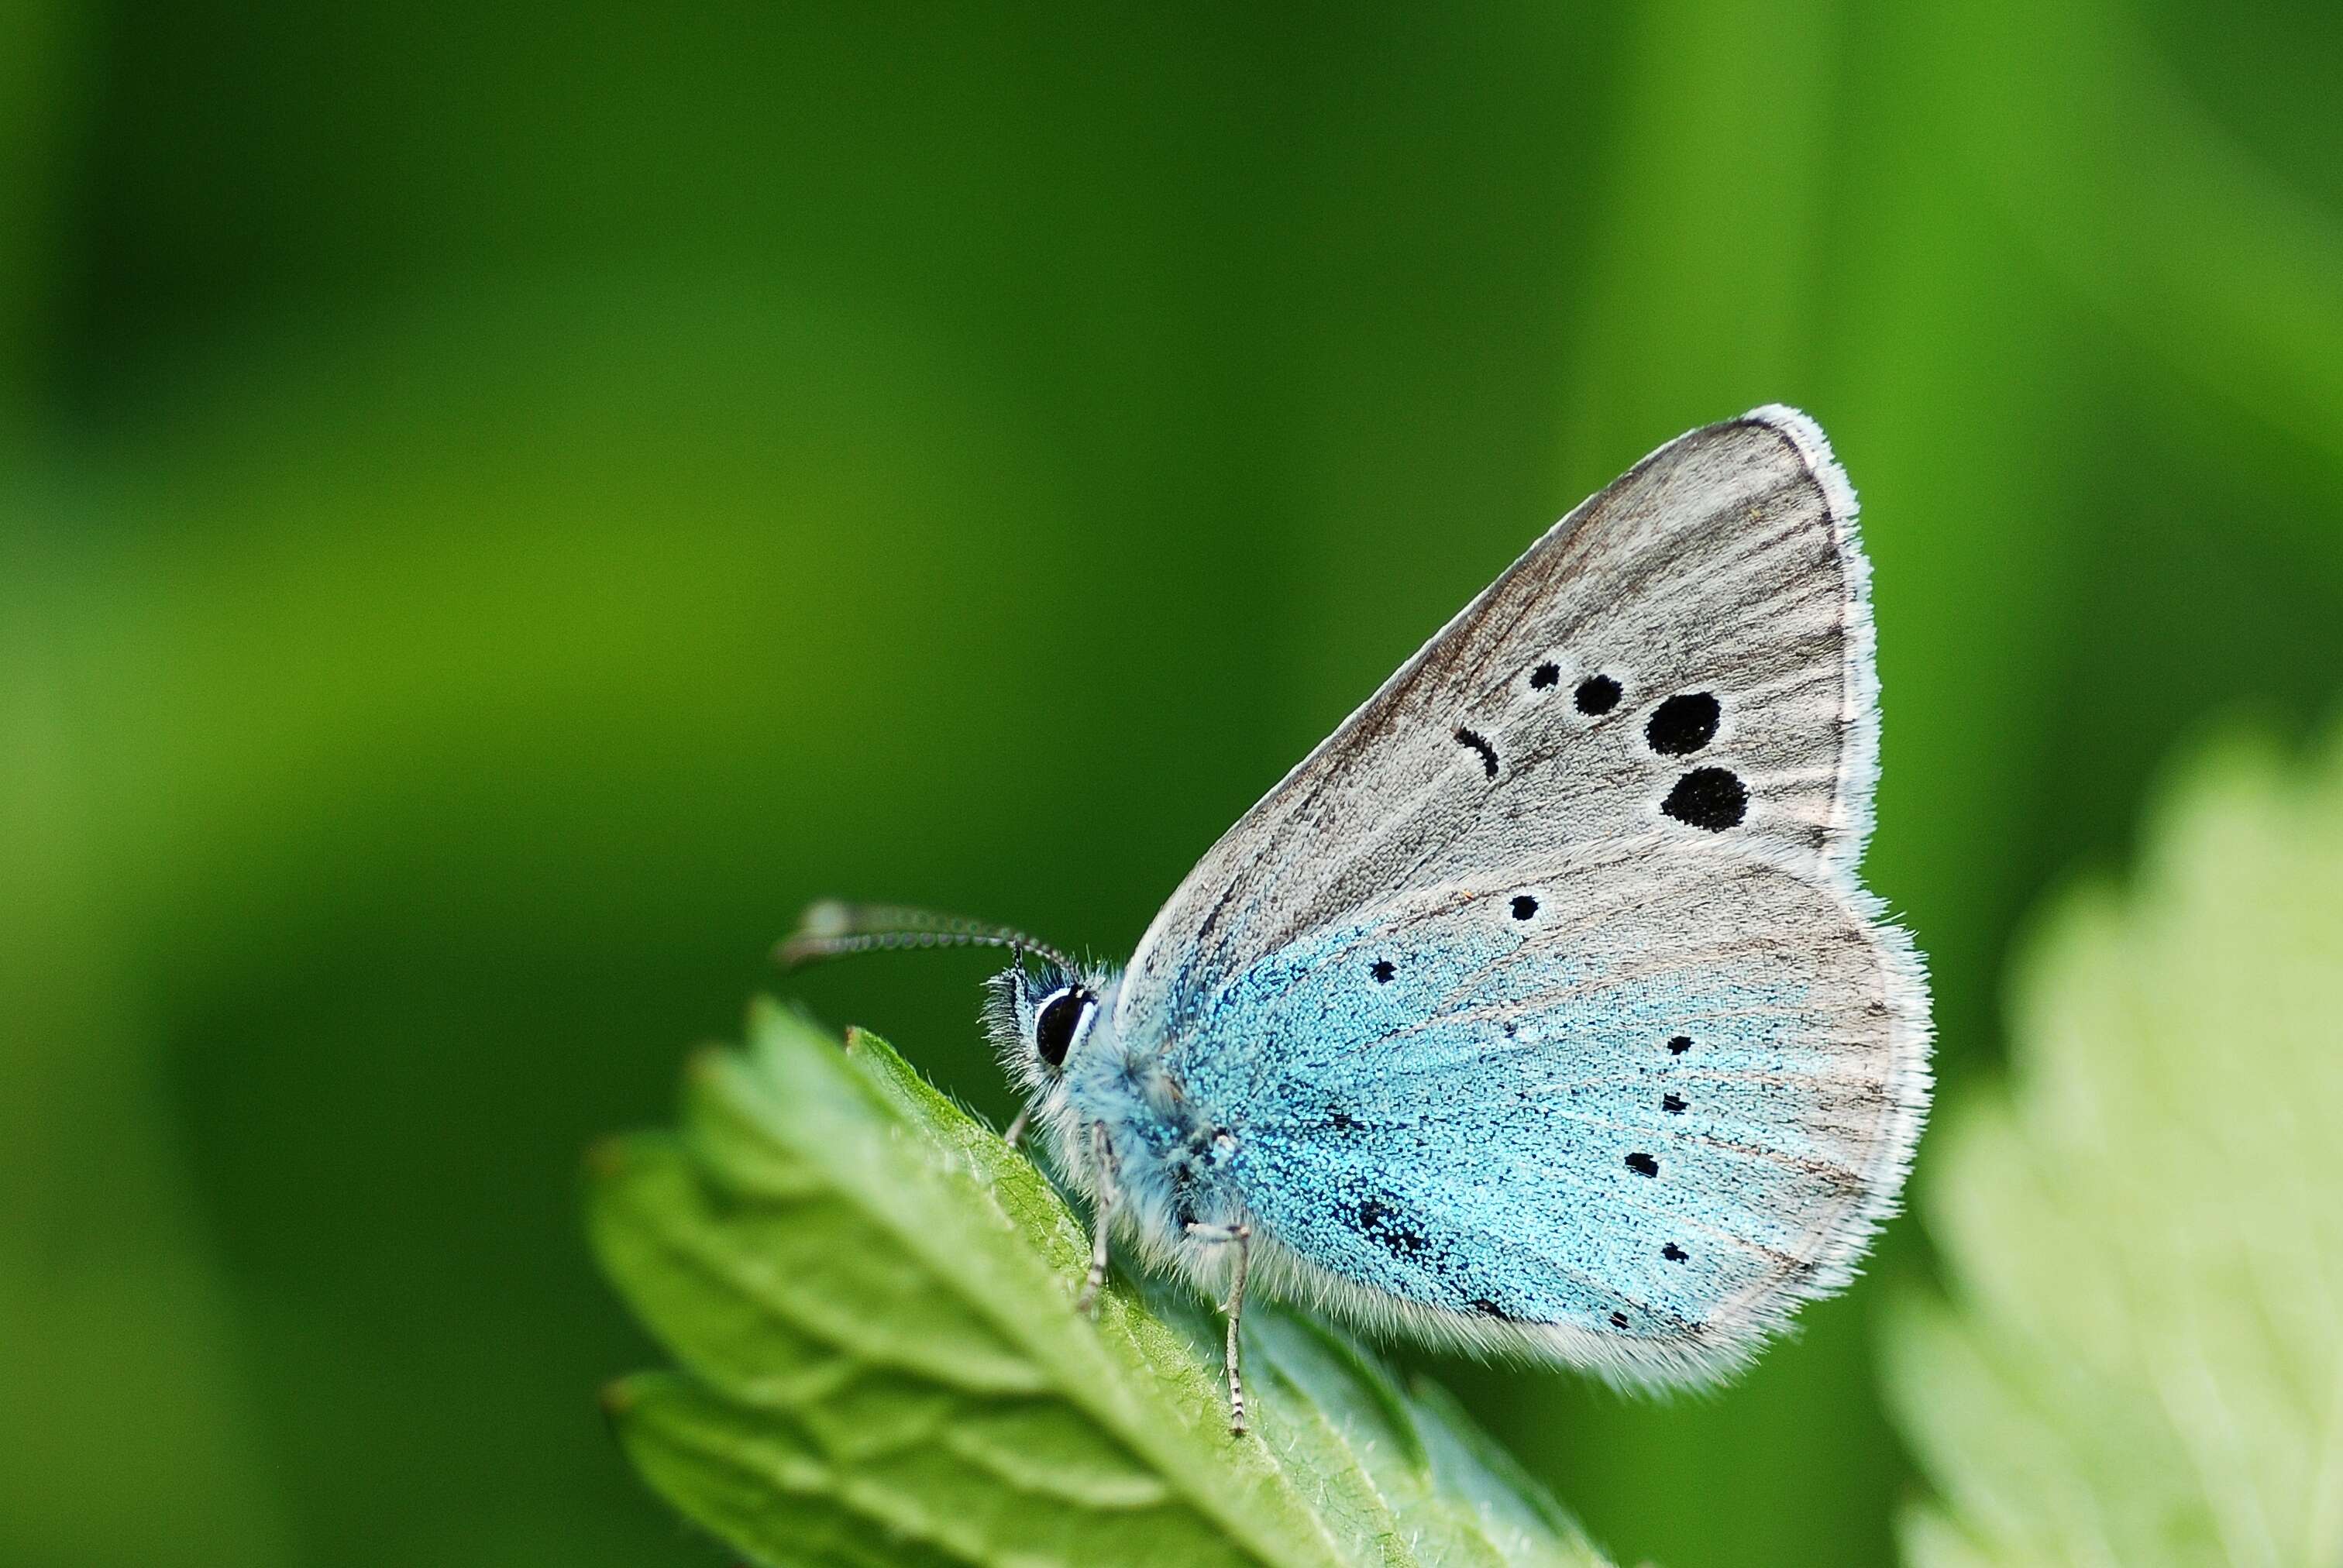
x=1643 y=1164
x=1673 y=1253
x=1598 y=695
x=1523 y=905
x=1381 y=1223
x=1673 y=1104
x=1544 y=675
x=1710 y=797
x=1382 y=970
x=1479 y=743
x=1679 y=1045
x=1683 y=724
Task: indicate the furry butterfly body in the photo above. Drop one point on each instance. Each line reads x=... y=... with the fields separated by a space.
x=1538 y=1008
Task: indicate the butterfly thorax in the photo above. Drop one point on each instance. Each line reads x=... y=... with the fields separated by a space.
x=1111 y=1113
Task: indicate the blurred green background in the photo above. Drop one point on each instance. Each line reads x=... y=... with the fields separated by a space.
x=499 y=506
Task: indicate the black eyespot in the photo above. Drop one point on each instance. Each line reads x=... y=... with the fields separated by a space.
x=1673 y=1253
x=1643 y=1165
x=1710 y=797
x=1523 y=905
x=1679 y=1045
x=1683 y=724
x=1060 y=1020
x=1597 y=694
x=1383 y=970
x=1543 y=675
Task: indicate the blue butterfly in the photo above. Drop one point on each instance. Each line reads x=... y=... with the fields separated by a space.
x=1539 y=1008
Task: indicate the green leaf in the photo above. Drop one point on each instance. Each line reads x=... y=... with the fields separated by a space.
x=2142 y=1359
x=870 y=1298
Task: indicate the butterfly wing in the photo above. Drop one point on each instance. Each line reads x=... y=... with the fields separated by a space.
x=1629 y=1101
x=1659 y=728
x=1690 y=650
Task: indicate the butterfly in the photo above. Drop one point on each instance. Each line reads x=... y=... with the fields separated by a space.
x=1539 y=1010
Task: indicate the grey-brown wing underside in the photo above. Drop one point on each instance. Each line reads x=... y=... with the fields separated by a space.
x=1689 y=652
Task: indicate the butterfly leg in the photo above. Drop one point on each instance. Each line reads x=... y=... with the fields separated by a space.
x=1016 y=1133
x=1234 y=1309
x=1102 y=1211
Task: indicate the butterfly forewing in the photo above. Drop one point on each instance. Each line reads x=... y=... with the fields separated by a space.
x=1688 y=651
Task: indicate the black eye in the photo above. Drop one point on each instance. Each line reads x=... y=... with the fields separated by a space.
x=1061 y=1017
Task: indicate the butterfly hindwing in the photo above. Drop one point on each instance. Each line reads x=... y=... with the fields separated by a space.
x=1630 y=1102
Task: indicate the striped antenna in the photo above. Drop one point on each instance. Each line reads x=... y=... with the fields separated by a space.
x=828 y=929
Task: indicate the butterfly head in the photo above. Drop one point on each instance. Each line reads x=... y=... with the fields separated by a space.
x=1042 y=1018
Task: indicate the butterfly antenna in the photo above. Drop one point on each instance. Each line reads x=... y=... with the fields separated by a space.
x=828 y=929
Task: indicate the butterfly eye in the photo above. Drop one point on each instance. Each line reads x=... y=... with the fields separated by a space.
x=1063 y=1015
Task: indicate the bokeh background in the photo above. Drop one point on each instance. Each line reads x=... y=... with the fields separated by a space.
x=500 y=504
